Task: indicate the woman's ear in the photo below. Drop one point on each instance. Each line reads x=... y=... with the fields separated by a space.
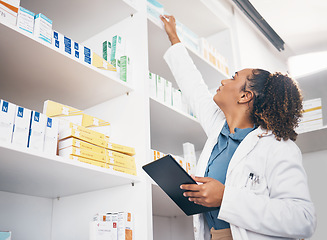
x=246 y=97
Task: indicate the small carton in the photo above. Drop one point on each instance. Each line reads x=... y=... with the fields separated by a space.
x=51 y=136
x=153 y=89
x=21 y=127
x=25 y=20
x=106 y=50
x=168 y=92
x=125 y=226
x=160 y=84
x=58 y=40
x=43 y=28
x=7 y=118
x=118 y=47
x=125 y=69
x=37 y=131
x=9 y=11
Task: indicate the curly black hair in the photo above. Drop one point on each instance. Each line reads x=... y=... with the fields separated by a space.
x=277 y=103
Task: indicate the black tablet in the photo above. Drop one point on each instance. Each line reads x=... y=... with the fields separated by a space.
x=169 y=175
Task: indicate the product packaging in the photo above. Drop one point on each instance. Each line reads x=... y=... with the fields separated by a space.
x=118 y=47
x=160 y=84
x=7 y=118
x=21 y=127
x=125 y=69
x=37 y=131
x=25 y=20
x=58 y=40
x=43 y=28
x=9 y=11
x=168 y=92
x=51 y=136
x=125 y=226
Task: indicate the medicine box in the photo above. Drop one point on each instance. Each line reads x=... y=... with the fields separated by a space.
x=102 y=230
x=312 y=116
x=77 y=51
x=121 y=148
x=160 y=84
x=125 y=69
x=9 y=11
x=80 y=144
x=177 y=98
x=58 y=40
x=154 y=10
x=68 y=45
x=5 y=235
x=37 y=131
x=99 y=62
x=87 y=54
x=152 y=82
x=21 y=127
x=51 y=136
x=125 y=226
x=80 y=152
x=25 y=20
x=87 y=160
x=7 y=118
x=122 y=169
x=168 y=92
x=43 y=27
x=106 y=50
x=96 y=124
x=118 y=47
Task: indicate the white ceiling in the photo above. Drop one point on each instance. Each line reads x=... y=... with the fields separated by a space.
x=302 y=24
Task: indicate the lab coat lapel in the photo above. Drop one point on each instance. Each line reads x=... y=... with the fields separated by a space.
x=244 y=148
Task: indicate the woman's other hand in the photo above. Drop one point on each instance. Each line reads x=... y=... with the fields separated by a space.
x=170 y=27
x=209 y=193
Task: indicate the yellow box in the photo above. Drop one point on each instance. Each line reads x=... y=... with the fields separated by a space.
x=122 y=169
x=54 y=109
x=120 y=159
x=82 y=153
x=120 y=148
x=99 y=62
x=68 y=142
x=89 y=161
x=96 y=124
x=88 y=131
x=90 y=138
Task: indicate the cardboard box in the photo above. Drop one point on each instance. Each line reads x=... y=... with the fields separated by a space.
x=160 y=84
x=51 y=136
x=81 y=144
x=68 y=45
x=119 y=159
x=99 y=62
x=21 y=127
x=80 y=152
x=58 y=40
x=77 y=51
x=43 y=27
x=102 y=230
x=121 y=148
x=118 y=47
x=125 y=69
x=5 y=235
x=87 y=160
x=9 y=11
x=168 y=92
x=7 y=118
x=125 y=226
x=87 y=55
x=154 y=10
x=106 y=50
x=153 y=89
x=37 y=131
x=122 y=169
x=25 y=20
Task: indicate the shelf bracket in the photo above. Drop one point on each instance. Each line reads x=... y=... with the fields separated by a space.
x=132 y=184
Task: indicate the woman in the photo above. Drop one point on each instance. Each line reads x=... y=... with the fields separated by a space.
x=250 y=167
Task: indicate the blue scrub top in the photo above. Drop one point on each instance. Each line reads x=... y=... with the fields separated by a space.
x=218 y=163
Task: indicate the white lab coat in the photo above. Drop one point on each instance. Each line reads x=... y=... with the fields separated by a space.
x=277 y=204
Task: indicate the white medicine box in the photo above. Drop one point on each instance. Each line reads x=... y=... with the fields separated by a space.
x=37 y=131
x=21 y=127
x=7 y=117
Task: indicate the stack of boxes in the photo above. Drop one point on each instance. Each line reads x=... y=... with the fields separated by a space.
x=86 y=138
x=112 y=226
x=312 y=116
x=25 y=128
x=163 y=91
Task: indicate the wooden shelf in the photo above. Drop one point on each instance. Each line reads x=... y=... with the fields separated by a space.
x=36 y=174
x=158 y=45
x=170 y=128
x=35 y=71
x=313 y=141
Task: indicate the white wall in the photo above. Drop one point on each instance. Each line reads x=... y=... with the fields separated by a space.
x=315 y=164
x=254 y=50
x=173 y=228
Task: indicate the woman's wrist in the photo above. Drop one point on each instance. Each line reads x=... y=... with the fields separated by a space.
x=174 y=40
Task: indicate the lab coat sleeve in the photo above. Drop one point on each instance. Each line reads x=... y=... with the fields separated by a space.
x=193 y=88
x=286 y=212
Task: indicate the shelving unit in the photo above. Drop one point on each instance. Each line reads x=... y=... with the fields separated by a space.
x=171 y=128
x=37 y=174
x=313 y=141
